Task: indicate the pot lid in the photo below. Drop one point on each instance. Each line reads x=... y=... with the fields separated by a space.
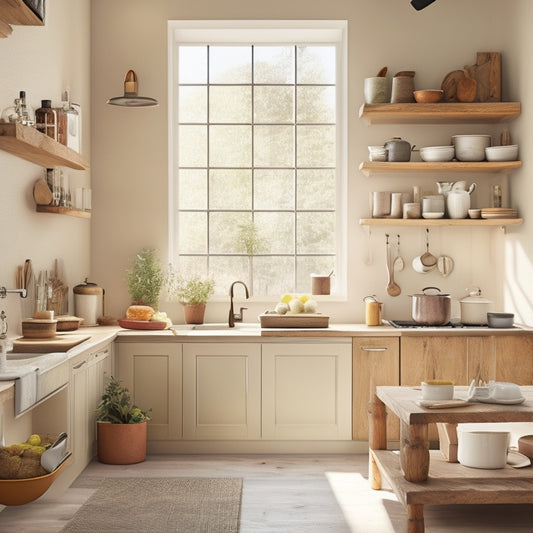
x=88 y=287
x=475 y=297
x=438 y=293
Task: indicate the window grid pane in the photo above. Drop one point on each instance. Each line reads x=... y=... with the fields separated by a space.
x=276 y=233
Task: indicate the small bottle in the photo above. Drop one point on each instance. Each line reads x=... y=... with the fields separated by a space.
x=69 y=123
x=23 y=109
x=46 y=119
x=496 y=196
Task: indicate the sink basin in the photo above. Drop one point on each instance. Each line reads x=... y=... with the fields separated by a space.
x=239 y=326
x=51 y=375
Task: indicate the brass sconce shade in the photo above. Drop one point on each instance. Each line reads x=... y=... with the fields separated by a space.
x=130 y=98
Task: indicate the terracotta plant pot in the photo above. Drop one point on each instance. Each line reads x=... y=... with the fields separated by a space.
x=121 y=444
x=194 y=314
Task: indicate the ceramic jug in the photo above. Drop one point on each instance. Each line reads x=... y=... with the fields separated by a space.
x=398 y=149
x=458 y=202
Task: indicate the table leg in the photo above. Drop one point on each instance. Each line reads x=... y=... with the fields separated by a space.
x=377 y=438
x=414 y=451
x=415 y=518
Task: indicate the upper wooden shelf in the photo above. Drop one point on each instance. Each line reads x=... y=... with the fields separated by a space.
x=18 y=13
x=380 y=167
x=440 y=113
x=60 y=210
x=28 y=143
x=440 y=222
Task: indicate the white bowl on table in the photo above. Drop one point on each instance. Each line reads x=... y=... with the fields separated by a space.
x=437 y=153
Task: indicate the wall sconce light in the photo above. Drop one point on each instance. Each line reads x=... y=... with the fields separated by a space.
x=130 y=98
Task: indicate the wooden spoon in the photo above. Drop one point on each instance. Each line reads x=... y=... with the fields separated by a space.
x=382 y=73
x=427 y=258
x=393 y=289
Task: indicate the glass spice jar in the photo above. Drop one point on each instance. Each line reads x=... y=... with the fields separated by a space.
x=46 y=119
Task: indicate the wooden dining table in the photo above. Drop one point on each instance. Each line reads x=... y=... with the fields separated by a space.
x=420 y=476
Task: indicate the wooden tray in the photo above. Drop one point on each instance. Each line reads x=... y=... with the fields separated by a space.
x=59 y=343
x=300 y=320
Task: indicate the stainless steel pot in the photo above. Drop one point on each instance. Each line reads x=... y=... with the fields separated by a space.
x=431 y=309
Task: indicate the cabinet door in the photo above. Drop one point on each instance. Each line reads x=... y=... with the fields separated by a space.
x=437 y=357
x=307 y=391
x=376 y=361
x=79 y=416
x=152 y=373
x=514 y=355
x=222 y=391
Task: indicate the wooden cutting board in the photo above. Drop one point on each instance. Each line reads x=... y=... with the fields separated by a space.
x=59 y=343
x=299 y=320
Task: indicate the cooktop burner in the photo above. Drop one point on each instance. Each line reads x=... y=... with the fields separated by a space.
x=413 y=324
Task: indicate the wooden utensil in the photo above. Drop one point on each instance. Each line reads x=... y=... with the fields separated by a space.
x=42 y=193
x=382 y=73
x=466 y=88
x=393 y=289
x=427 y=258
x=449 y=85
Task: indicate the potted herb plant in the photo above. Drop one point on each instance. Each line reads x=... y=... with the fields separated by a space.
x=193 y=293
x=121 y=427
x=145 y=279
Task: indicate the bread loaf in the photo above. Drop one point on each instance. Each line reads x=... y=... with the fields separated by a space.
x=139 y=312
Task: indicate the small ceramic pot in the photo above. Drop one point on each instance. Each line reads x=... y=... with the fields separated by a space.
x=377 y=90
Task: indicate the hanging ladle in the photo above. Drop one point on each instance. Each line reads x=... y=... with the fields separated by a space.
x=398 y=263
x=393 y=289
x=427 y=258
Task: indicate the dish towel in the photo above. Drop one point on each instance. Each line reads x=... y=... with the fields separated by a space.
x=25 y=378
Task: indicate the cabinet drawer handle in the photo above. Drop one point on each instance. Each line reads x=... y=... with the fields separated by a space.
x=102 y=353
x=80 y=365
x=373 y=349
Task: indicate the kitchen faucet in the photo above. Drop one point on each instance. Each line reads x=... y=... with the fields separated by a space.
x=236 y=317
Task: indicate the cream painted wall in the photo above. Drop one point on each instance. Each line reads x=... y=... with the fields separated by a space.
x=43 y=61
x=129 y=147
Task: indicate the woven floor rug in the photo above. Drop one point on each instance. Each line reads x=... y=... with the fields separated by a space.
x=161 y=505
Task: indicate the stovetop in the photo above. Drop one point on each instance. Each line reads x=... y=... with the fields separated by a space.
x=449 y=325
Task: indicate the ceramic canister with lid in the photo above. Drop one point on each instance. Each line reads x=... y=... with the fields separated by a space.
x=88 y=302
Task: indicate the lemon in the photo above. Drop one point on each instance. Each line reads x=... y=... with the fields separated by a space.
x=303 y=298
x=286 y=298
x=34 y=440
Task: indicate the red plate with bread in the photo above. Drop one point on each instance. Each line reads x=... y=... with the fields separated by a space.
x=138 y=317
x=128 y=323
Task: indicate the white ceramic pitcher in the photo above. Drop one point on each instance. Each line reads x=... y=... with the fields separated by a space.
x=458 y=202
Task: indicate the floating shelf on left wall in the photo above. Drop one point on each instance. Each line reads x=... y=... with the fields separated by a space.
x=32 y=145
x=60 y=210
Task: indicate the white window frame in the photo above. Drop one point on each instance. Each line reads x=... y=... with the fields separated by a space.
x=304 y=32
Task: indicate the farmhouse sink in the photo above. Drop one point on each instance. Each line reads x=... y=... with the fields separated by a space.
x=240 y=327
x=51 y=376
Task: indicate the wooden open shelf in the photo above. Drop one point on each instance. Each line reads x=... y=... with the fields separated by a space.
x=60 y=210
x=381 y=167
x=28 y=143
x=425 y=222
x=18 y=13
x=440 y=113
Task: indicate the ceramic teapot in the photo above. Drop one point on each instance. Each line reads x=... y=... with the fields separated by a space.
x=458 y=201
x=444 y=187
x=398 y=149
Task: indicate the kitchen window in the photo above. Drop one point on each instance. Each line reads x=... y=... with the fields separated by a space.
x=258 y=150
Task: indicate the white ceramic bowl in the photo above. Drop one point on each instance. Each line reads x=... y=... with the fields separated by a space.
x=500 y=320
x=471 y=147
x=502 y=153
x=437 y=153
x=437 y=390
x=482 y=449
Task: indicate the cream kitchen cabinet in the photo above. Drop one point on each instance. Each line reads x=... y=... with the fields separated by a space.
x=88 y=372
x=152 y=372
x=222 y=391
x=306 y=391
x=376 y=361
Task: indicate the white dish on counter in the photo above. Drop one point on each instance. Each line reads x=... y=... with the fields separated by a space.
x=513 y=401
x=433 y=215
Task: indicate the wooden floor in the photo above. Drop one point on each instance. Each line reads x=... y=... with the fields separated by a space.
x=281 y=494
